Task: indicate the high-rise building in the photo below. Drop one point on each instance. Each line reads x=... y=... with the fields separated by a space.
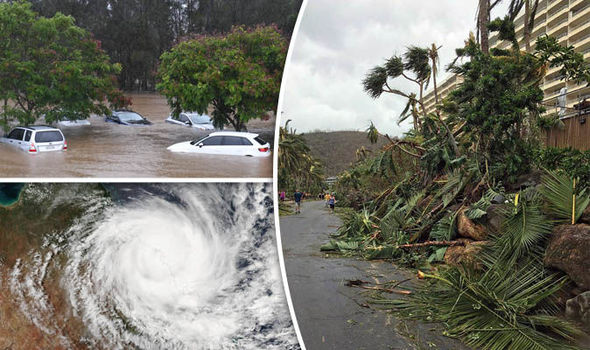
x=566 y=20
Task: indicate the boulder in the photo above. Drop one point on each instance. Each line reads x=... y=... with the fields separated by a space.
x=578 y=308
x=531 y=179
x=494 y=218
x=569 y=251
x=464 y=254
x=469 y=229
x=585 y=218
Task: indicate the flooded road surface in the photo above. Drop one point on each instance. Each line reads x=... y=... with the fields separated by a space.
x=112 y=150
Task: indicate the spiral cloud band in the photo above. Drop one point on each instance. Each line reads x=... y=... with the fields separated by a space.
x=171 y=266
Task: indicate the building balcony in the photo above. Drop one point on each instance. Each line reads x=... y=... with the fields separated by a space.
x=552 y=70
x=551 y=94
x=540 y=23
x=553 y=84
x=581 y=40
x=574 y=3
x=557 y=17
x=579 y=27
x=554 y=4
x=580 y=12
x=557 y=13
x=557 y=26
x=542 y=10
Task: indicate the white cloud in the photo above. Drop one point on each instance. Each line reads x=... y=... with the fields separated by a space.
x=339 y=41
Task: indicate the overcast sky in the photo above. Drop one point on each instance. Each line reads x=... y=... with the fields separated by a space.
x=339 y=41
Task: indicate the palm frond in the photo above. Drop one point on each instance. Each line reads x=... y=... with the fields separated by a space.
x=498 y=310
x=560 y=194
x=524 y=229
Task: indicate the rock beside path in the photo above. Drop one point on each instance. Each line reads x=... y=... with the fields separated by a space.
x=578 y=308
x=464 y=254
x=569 y=251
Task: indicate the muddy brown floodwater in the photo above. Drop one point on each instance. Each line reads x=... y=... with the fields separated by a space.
x=112 y=150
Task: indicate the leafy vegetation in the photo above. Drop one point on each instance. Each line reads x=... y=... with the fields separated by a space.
x=51 y=67
x=238 y=74
x=136 y=33
x=465 y=181
x=298 y=169
x=571 y=161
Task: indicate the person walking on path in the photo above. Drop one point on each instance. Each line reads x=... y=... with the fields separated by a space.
x=327 y=199
x=332 y=202
x=298 y=195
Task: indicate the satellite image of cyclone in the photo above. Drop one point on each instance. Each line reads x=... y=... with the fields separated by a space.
x=140 y=266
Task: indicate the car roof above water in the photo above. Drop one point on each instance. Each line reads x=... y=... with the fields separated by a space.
x=233 y=133
x=38 y=127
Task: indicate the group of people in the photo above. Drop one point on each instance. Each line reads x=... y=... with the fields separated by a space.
x=298 y=196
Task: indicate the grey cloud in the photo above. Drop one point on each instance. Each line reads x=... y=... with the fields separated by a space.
x=339 y=41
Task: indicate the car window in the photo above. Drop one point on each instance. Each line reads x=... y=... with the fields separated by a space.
x=48 y=136
x=28 y=135
x=246 y=142
x=183 y=118
x=16 y=134
x=233 y=141
x=260 y=141
x=128 y=116
x=200 y=119
x=213 y=141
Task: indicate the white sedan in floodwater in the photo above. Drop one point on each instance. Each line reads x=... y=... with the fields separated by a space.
x=228 y=143
x=192 y=119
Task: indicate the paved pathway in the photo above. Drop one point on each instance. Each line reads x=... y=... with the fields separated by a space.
x=332 y=315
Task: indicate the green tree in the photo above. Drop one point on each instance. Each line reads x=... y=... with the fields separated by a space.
x=237 y=74
x=297 y=167
x=50 y=66
x=415 y=67
x=136 y=33
x=372 y=133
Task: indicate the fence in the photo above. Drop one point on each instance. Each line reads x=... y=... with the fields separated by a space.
x=575 y=134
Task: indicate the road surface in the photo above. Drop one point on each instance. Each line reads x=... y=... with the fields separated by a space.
x=332 y=315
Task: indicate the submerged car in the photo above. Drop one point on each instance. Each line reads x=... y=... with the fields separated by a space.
x=228 y=143
x=192 y=119
x=65 y=119
x=75 y=122
x=126 y=117
x=35 y=139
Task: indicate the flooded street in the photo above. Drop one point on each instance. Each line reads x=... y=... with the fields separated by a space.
x=112 y=150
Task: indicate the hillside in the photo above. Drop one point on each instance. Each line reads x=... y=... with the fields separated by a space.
x=337 y=149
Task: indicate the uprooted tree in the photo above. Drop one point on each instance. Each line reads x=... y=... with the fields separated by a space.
x=51 y=67
x=436 y=201
x=238 y=75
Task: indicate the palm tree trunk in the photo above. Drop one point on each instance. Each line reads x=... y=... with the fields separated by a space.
x=4 y=112
x=434 y=82
x=527 y=19
x=483 y=19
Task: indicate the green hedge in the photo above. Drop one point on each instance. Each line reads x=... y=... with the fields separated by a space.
x=574 y=162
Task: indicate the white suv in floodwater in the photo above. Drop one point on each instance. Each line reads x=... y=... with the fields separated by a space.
x=35 y=139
